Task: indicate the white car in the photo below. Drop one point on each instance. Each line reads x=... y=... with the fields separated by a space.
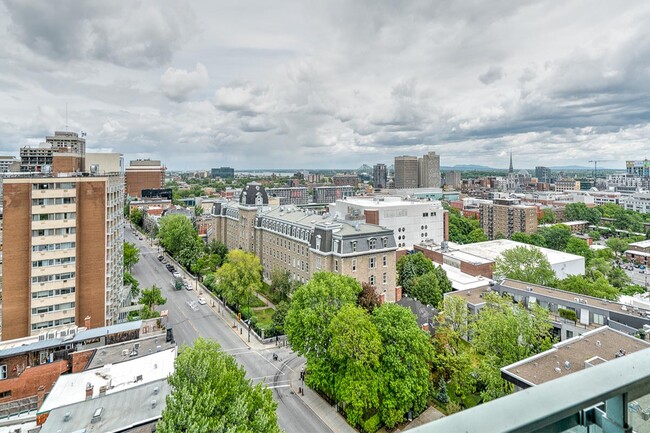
x=176 y=274
x=202 y=300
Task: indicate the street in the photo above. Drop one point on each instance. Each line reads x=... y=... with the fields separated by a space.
x=190 y=322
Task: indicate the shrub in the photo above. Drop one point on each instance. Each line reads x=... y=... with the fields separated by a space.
x=372 y=424
x=568 y=314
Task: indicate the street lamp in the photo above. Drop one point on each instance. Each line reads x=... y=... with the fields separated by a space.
x=250 y=315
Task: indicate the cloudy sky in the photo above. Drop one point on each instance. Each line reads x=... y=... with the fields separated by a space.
x=319 y=84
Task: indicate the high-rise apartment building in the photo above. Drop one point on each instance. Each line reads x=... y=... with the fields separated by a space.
x=290 y=195
x=380 y=176
x=144 y=174
x=638 y=168
x=567 y=184
x=62 y=252
x=452 y=179
x=429 y=171
x=406 y=172
x=329 y=194
x=503 y=218
x=543 y=174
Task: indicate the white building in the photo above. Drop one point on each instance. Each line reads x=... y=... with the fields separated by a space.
x=638 y=202
x=411 y=221
x=563 y=264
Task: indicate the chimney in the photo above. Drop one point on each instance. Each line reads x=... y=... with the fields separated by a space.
x=89 y=391
x=102 y=390
x=87 y=322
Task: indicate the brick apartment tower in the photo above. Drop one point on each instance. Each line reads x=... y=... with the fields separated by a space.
x=143 y=174
x=62 y=251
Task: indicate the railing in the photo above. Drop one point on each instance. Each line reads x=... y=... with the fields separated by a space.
x=614 y=396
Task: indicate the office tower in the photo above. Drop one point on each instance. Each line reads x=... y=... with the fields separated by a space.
x=144 y=174
x=429 y=171
x=223 y=172
x=380 y=176
x=406 y=172
x=543 y=174
x=62 y=251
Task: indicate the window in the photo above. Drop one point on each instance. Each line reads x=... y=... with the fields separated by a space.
x=353 y=244
x=385 y=279
x=372 y=280
x=372 y=262
x=372 y=243
x=384 y=260
x=318 y=239
x=317 y=262
x=384 y=242
x=5 y=394
x=3 y=372
x=354 y=265
x=599 y=319
x=336 y=265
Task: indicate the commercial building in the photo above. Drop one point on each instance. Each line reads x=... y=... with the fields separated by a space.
x=543 y=174
x=411 y=221
x=345 y=180
x=143 y=174
x=329 y=194
x=63 y=242
x=429 y=171
x=638 y=168
x=452 y=179
x=565 y=184
x=296 y=195
x=223 y=172
x=302 y=242
x=380 y=176
x=502 y=217
x=38 y=159
x=406 y=172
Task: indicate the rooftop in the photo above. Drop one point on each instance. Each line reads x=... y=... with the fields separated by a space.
x=71 y=388
x=641 y=244
x=388 y=202
x=471 y=296
x=461 y=281
x=120 y=410
x=491 y=250
x=594 y=347
x=122 y=352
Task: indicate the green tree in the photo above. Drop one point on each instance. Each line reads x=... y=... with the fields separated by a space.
x=129 y=280
x=598 y=288
x=131 y=255
x=427 y=290
x=534 y=239
x=368 y=298
x=281 y=283
x=527 y=264
x=504 y=333
x=279 y=316
x=556 y=237
x=443 y=281
x=198 y=210
x=548 y=216
x=149 y=299
x=476 y=235
x=240 y=277
x=579 y=247
x=411 y=266
x=313 y=306
x=619 y=246
x=580 y=212
x=405 y=363
x=210 y=392
x=137 y=217
x=177 y=233
x=354 y=350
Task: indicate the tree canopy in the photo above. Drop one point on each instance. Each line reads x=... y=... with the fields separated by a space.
x=131 y=255
x=411 y=266
x=525 y=264
x=211 y=393
x=240 y=277
x=178 y=237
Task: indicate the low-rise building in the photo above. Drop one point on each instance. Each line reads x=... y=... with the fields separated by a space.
x=345 y=180
x=290 y=195
x=223 y=172
x=637 y=202
x=329 y=194
x=567 y=185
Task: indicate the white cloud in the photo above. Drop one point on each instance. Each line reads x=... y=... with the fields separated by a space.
x=178 y=84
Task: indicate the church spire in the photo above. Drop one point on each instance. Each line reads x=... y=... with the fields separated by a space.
x=511 y=170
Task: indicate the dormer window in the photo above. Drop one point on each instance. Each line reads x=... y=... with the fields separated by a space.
x=384 y=242
x=318 y=239
x=372 y=243
x=354 y=246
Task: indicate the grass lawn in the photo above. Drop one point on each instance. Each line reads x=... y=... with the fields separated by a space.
x=256 y=302
x=264 y=318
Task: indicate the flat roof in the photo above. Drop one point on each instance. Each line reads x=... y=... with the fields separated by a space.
x=641 y=244
x=71 y=388
x=462 y=281
x=594 y=347
x=471 y=296
x=575 y=223
x=372 y=202
x=638 y=253
x=569 y=296
x=123 y=352
x=120 y=410
x=491 y=250
x=467 y=257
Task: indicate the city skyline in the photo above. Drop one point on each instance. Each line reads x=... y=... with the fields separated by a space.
x=332 y=84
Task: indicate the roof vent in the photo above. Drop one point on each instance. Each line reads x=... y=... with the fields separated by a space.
x=153 y=403
x=155 y=390
x=557 y=370
x=598 y=343
x=67 y=416
x=567 y=365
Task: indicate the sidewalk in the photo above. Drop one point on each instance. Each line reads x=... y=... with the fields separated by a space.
x=320 y=407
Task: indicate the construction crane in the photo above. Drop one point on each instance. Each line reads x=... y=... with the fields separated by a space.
x=596 y=161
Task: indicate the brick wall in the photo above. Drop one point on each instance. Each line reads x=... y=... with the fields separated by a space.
x=80 y=359
x=31 y=379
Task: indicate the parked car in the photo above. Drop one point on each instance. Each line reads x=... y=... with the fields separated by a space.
x=642 y=267
x=202 y=300
x=161 y=258
x=176 y=274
